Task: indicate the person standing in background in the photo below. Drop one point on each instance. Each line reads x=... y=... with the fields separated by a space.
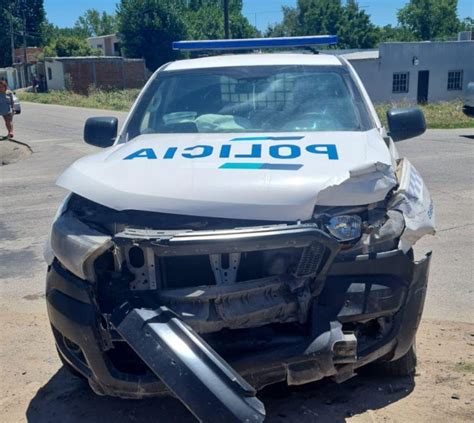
x=7 y=107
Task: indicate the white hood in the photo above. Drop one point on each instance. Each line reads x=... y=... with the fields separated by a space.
x=268 y=177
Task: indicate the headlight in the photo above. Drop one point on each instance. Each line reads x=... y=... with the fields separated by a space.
x=380 y=232
x=364 y=229
x=345 y=228
x=77 y=245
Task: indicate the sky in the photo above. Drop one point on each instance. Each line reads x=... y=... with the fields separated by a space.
x=259 y=12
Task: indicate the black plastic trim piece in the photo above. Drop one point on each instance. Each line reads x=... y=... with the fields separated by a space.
x=196 y=374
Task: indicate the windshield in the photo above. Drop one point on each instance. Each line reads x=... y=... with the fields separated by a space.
x=251 y=99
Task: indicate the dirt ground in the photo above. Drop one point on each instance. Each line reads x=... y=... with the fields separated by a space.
x=12 y=151
x=35 y=388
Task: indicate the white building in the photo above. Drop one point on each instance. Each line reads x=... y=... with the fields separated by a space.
x=109 y=44
x=11 y=76
x=416 y=72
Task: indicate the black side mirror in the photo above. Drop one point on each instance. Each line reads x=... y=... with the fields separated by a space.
x=405 y=123
x=100 y=131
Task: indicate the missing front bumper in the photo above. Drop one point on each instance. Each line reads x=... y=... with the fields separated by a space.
x=74 y=316
x=203 y=381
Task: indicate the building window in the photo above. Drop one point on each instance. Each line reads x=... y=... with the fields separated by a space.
x=50 y=74
x=100 y=46
x=455 y=80
x=400 y=82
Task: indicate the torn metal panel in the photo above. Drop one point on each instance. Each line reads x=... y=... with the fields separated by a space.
x=413 y=199
x=371 y=181
x=196 y=374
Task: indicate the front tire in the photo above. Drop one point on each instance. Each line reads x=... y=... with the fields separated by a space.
x=402 y=367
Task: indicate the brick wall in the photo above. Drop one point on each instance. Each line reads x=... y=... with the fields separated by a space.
x=103 y=73
x=32 y=54
x=135 y=74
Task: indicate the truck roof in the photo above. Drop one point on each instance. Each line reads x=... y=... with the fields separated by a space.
x=255 y=59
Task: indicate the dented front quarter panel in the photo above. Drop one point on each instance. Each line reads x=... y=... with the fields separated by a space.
x=413 y=199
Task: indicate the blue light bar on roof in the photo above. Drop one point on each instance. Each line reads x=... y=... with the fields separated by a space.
x=255 y=43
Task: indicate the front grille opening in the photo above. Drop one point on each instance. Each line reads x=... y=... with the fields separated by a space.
x=188 y=271
x=125 y=360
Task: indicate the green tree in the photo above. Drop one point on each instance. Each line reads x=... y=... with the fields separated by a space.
x=357 y=31
x=19 y=12
x=148 y=27
x=52 y=32
x=467 y=24
x=395 y=33
x=318 y=17
x=68 y=46
x=287 y=27
x=204 y=20
x=430 y=19
x=94 y=24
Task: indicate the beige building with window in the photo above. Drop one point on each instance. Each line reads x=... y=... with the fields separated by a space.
x=109 y=44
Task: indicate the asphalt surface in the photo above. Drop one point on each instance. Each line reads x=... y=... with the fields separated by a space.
x=29 y=199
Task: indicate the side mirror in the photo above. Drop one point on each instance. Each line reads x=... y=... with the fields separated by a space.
x=100 y=131
x=405 y=123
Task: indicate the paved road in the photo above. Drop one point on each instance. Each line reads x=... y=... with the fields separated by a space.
x=30 y=198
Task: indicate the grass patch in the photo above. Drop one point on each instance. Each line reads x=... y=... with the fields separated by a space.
x=463 y=367
x=445 y=115
x=120 y=100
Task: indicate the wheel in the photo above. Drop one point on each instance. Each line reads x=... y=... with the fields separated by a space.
x=402 y=367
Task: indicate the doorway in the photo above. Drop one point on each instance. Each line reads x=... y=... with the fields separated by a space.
x=423 y=83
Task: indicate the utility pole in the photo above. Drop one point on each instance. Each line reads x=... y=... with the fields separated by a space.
x=226 y=19
x=25 y=57
x=12 y=35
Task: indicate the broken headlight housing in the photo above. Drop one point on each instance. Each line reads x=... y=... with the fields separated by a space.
x=75 y=244
x=362 y=229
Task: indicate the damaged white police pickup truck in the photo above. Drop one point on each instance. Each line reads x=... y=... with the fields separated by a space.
x=251 y=223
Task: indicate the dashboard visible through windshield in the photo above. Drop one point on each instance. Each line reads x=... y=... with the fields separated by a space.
x=250 y=99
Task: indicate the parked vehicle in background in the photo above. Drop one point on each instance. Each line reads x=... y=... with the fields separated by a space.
x=16 y=104
x=468 y=108
x=252 y=219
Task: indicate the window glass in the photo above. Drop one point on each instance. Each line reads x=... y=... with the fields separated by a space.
x=251 y=99
x=455 y=80
x=400 y=82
